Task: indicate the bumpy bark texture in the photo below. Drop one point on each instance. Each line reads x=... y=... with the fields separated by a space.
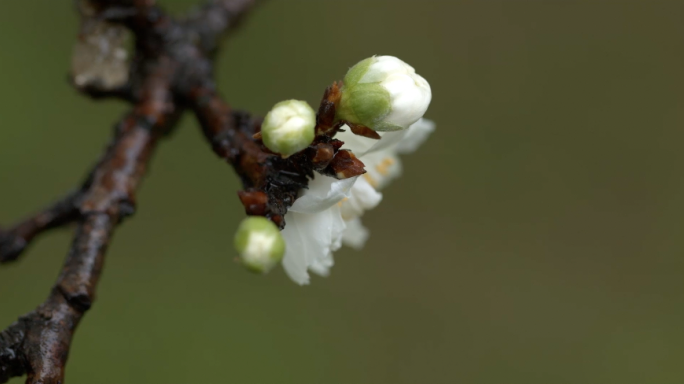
x=171 y=72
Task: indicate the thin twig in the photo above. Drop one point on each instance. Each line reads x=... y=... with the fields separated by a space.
x=15 y=240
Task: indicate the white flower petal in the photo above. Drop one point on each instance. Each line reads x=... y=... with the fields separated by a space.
x=363 y=198
x=338 y=227
x=388 y=140
x=356 y=235
x=362 y=146
x=323 y=193
x=310 y=240
x=383 y=66
x=415 y=136
x=381 y=168
x=322 y=267
x=355 y=143
x=307 y=238
x=411 y=96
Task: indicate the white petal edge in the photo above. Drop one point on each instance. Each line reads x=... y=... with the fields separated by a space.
x=362 y=146
x=323 y=193
x=356 y=235
x=382 y=168
x=384 y=66
x=415 y=136
x=411 y=96
x=321 y=266
x=338 y=227
x=309 y=242
x=363 y=198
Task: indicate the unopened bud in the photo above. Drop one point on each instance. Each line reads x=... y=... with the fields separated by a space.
x=384 y=94
x=259 y=243
x=289 y=127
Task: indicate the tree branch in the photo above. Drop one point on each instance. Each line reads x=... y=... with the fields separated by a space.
x=15 y=240
x=38 y=343
x=172 y=71
x=216 y=17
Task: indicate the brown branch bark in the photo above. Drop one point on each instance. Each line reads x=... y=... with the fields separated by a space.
x=13 y=241
x=214 y=18
x=38 y=344
x=167 y=63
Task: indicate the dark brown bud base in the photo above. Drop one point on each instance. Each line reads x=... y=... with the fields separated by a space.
x=273 y=194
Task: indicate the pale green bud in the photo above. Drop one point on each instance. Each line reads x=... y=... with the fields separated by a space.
x=384 y=94
x=259 y=243
x=289 y=127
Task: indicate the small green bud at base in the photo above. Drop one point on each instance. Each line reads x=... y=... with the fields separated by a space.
x=259 y=243
x=289 y=127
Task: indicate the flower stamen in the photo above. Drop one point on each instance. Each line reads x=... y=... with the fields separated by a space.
x=374 y=183
x=384 y=166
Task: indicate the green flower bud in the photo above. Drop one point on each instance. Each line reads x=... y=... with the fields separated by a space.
x=259 y=243
x=289 y=127
x=384 y=94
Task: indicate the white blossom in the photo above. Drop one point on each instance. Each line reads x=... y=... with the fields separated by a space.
x=384 y=94
x=314 y=228
x=328 y=213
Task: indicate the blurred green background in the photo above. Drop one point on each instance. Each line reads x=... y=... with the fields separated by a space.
x=536 y=238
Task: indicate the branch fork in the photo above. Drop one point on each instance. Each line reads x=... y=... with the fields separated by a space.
x=171 y=73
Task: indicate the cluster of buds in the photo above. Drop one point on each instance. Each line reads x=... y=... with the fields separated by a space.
x=379 y=95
